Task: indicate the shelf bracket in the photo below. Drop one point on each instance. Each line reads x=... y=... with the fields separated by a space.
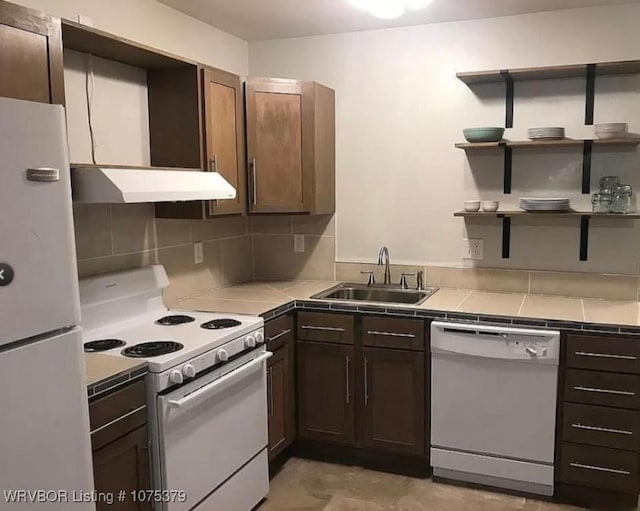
x=584 y=238
x=591 y=94
x=508 y=166
x=506 y=75
x=586 y=166
x=506 y=236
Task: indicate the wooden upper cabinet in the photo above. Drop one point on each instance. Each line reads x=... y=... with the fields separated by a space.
x=290 y=146
x=224 y=136
x=31 y=66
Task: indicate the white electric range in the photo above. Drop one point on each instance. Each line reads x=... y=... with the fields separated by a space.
x=206 y=389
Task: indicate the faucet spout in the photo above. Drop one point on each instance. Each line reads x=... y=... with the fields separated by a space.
x=383 y=259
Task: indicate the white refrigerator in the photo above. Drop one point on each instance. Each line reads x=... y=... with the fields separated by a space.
x=45 y=449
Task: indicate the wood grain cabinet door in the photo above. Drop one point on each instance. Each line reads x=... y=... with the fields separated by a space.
x=224 y=136
x=123 y=465
x=326 y=392
x=31 y=66
x=279 y=392
x=279 y=146
x=394 y=401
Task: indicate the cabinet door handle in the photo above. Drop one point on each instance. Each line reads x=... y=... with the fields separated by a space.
x=214 y=163
x=323 y=328
x=605 y=355
x=348 y=359
x=254 y=174
x=390 y=334
x=276 y=337
x=271 y=391
x=602 y=430
x=366 y=381
x=213 y=167
x=605 y=391
x=601 y=469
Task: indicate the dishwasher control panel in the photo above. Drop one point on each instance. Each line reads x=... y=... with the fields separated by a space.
x=488 y=341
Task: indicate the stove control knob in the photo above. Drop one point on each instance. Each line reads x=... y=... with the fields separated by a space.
x=259 y=337
x=222 y=355
x=176 y=377
x=250 y=341
x=189 y=371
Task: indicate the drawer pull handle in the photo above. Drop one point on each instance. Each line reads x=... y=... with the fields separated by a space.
x=122 y=417
x=281 y=334
x=605 y=391
x=605 y=355
x=390 y=334
x=323 y=328
x=602 y=430
x=601 y=469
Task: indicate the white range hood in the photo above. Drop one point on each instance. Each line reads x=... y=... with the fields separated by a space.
x=120 y=184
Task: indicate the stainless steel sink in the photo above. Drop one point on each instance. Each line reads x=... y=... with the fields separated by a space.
x=381 y=294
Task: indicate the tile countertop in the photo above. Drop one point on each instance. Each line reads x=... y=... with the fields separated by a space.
x=258 y=298
x=104 y=372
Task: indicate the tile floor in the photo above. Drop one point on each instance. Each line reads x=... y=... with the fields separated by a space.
x=304 y=485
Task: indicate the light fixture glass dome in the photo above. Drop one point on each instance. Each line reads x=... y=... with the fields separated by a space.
x=389 y=9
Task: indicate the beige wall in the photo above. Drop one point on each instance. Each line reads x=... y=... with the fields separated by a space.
x=400 y=109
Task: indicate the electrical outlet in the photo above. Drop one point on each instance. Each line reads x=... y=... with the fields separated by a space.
x=473 y=249
x=298 y=243
x=198 y=253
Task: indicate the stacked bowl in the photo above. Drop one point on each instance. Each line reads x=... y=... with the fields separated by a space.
x=553 y=133
x=611 y=130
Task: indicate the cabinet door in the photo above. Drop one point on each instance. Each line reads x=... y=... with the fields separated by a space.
x=325 y=392
x=224 y=136
x=279 y=146
x=30 y=55
x=394 y=401
x=123 y=465
x=278 y=404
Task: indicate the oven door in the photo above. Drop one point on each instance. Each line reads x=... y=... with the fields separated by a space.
x=210 y=428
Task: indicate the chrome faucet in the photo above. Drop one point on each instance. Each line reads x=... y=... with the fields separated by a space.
x=383 y=259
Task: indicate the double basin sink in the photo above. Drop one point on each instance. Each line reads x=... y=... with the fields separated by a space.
x=378 y=294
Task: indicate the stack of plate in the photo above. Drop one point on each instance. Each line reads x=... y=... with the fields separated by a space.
x=544 y=204
x=545 y=133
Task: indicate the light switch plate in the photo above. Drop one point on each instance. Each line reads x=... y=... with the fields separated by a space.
x=198 y=253
x=298 y=243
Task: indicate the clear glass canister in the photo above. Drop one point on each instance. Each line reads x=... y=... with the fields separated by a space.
x=609 y=182
x=601 y=203
x=622 y=200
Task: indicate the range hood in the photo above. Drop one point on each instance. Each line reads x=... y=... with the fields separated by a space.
x=121 y=184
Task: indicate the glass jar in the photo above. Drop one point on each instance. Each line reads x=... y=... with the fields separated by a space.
x=622 y=200
x=609 y=182
x=601 y=203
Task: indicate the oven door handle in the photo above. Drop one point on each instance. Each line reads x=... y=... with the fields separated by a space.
x=207 y=389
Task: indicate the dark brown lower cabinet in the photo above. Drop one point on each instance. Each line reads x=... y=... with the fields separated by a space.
x=393 y=418
x=326 y=382
x=123 y=465
x=279 y=401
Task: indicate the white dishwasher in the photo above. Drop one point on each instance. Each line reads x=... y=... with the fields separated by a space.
x=493 y=405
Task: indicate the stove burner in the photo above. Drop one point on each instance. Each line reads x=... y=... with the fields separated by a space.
x=219 y=324
x=152 y=349
x=175 y=320
x=103 y=345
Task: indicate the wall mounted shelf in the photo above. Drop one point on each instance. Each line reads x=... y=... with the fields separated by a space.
x=585 y=217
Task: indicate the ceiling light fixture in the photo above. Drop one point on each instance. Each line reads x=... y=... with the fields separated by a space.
x=389 y=9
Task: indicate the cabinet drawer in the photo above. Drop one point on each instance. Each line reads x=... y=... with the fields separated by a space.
x=279 y=332
x=599 y=467
x=603 y=353
x=323 y=327
x=605 y=427
x=117 y=414
x=380 y=332
x=608 y=389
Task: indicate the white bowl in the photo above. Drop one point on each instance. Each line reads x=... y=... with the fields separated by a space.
x=490 y=206
x=611 y=130
x=471 y=206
